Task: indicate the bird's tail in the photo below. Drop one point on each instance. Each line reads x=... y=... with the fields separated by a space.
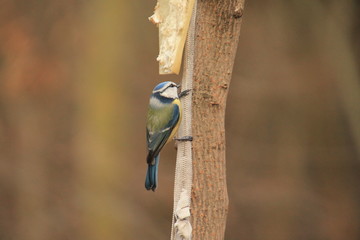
x=152 y=175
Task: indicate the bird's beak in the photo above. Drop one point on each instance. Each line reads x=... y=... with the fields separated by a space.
x=179 y=85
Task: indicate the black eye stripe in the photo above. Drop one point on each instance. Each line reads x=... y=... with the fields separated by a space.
x=171 y=85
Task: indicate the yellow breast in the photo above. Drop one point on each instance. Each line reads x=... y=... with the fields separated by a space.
x=174 y=131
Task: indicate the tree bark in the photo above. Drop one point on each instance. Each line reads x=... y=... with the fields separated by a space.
x=216 y=39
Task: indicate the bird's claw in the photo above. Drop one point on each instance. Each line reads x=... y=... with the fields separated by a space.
x=184 y=93
x=184 y=139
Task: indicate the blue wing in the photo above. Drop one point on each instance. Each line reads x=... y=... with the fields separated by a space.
x=157 y=140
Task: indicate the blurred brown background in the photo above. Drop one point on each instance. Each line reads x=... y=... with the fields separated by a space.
x=75 y=77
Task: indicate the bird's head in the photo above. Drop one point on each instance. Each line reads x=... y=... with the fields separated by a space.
x=167 y=90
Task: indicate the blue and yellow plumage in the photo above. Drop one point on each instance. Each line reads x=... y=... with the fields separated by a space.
x=163 y=119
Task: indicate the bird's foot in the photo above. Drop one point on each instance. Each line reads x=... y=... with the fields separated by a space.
x=184 y=93
x=184 y=139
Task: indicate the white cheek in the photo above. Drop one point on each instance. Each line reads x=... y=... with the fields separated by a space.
x=170 y=93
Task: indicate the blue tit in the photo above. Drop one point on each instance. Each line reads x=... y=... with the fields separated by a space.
x=163 y=120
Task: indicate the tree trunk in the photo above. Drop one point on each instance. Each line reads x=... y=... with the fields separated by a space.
x=216 y=39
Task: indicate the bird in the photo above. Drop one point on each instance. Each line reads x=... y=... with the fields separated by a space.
x=163 y=120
